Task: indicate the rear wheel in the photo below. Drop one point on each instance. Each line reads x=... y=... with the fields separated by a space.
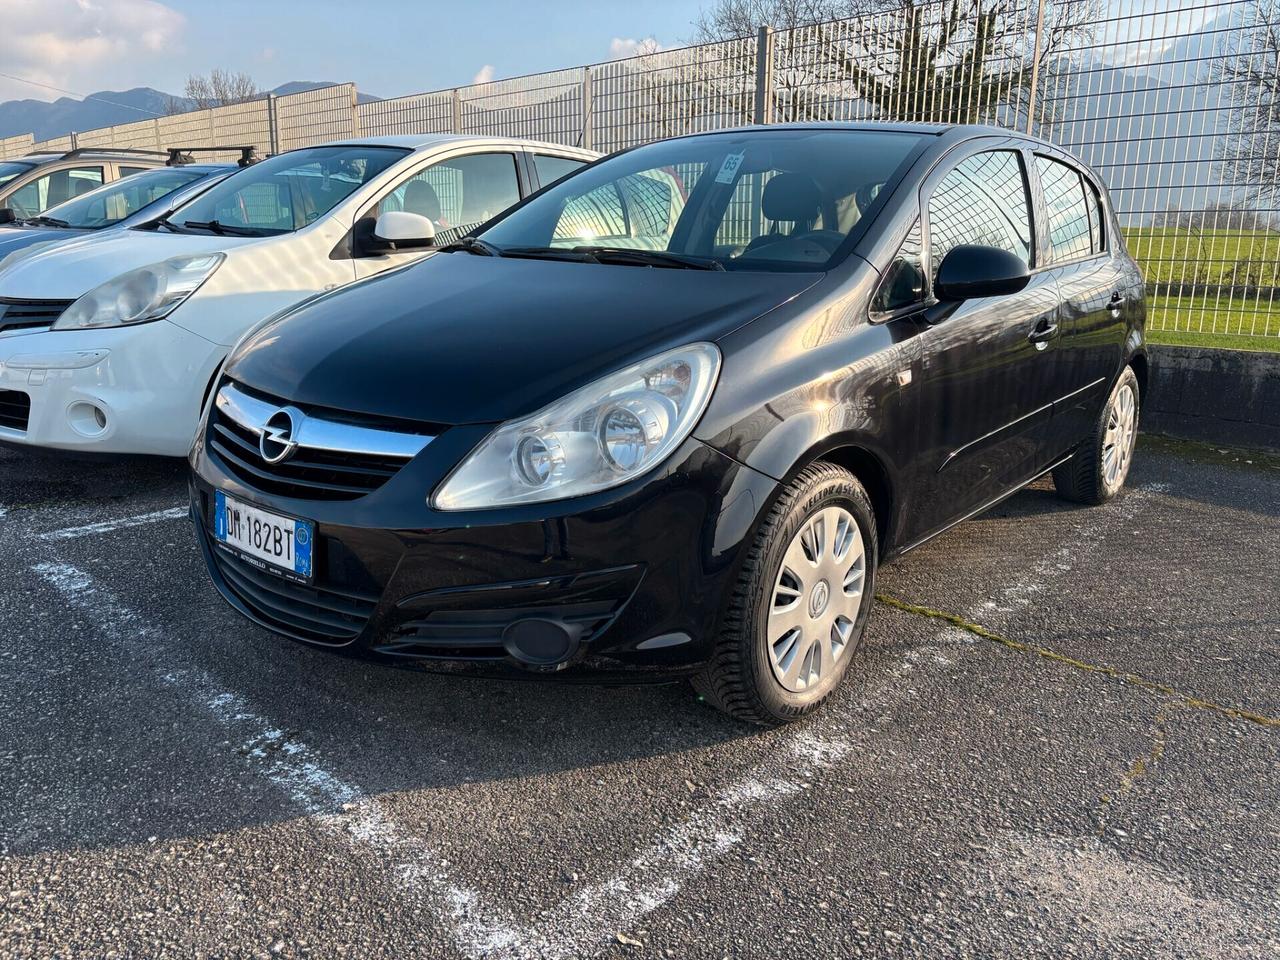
x=1098 y=470
x=800 y=604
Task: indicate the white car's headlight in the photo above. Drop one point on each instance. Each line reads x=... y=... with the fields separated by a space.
x=605 y=434
x=148 y=293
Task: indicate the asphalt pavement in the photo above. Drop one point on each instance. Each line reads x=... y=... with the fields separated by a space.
x=1062 y=738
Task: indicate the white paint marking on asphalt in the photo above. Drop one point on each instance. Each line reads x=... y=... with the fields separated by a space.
x=107 y=526
x=579 y=927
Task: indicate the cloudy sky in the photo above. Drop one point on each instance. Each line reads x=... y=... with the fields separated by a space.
x=388 y=47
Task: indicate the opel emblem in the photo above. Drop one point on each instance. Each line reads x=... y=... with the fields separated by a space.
x=278 y=442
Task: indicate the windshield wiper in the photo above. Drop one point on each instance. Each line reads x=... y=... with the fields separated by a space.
x=650 y=258
x=221 y=229
x=576 y=255
x=47 y=222
x=481 y=248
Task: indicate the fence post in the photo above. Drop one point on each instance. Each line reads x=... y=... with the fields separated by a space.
x=75 y=140
x=1035 y=67
x=355 y=112
x=585 y=140
x=457 y=110
x=764 y=75
x=273 y=126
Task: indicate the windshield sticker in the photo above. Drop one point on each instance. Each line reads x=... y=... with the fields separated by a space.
x=729 y=169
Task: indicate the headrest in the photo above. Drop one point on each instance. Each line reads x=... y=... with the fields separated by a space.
x=793 y=197
x=420 y=197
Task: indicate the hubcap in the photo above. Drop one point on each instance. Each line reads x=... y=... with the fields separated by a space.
x=816 y=599
x=1117 y=442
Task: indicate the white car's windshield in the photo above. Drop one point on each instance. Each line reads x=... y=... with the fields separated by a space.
x=286 y=192
x=745 y=200
x=110 y=204
x=10 y=170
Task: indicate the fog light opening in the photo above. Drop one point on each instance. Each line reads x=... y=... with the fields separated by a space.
x=536 y=642
x=87 y=419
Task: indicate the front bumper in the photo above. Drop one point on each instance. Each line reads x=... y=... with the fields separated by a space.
x=628 y=584
x=129 y=390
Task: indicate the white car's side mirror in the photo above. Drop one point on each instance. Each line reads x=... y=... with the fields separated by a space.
x=402 y=230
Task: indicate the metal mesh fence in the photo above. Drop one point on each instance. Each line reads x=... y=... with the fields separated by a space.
x=1176 y=104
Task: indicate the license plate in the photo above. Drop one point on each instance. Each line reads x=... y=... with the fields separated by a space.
x=281 y=544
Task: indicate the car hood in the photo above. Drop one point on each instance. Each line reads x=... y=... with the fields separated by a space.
x=67 y=271
x=13 y=239
x=467 y=339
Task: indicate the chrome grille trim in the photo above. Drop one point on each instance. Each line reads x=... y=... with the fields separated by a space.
x=318 y=433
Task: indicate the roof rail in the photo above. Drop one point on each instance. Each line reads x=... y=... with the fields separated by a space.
x=181 y=156
x=111 y=151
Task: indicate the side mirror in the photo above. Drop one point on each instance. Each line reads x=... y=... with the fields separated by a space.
x=7 y=215
x=970 y=271
x=401 y=230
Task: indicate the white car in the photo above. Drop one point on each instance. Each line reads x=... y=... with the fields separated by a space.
x=110 y=344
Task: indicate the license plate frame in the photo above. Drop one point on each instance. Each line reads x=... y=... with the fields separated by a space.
x=240 y=527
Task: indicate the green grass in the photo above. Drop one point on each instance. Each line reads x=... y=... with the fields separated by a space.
x=1184 y=255
x=1176 y=255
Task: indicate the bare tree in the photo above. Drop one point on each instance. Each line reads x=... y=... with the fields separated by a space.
x=1249 y=149
x=219 y=88
x=942 y=61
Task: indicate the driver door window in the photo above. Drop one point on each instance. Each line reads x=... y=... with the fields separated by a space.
x=458 y=195
x=54 y=188
x=982 y=201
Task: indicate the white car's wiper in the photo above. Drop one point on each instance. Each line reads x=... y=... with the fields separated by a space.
x=222 y=229
x=650 y=258
x=43 y=221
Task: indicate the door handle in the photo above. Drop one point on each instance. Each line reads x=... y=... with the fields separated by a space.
x=1115 y=303
x=1044 y=331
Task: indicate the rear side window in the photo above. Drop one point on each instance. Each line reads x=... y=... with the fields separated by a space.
x=982 y=201
x=1074 y=228
x=54 y=188
x=551 y=169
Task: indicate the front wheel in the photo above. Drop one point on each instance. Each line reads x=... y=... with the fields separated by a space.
x=800 y=604
x=1098 y=470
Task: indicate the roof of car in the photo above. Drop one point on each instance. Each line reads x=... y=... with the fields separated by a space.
x=422 y=141
x=876 y=126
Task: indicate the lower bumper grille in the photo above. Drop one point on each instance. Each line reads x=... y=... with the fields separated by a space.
x=478 y=634
x=15 y=410
x=326 y=616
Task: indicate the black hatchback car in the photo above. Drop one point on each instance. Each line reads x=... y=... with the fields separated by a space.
x=667 y=416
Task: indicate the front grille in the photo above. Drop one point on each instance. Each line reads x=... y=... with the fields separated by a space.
x=30 y=314
x=324 y=615
x=15 y=410
x=310 y=473
x=477 y=634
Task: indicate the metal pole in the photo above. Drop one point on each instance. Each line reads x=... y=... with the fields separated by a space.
x=1035 y=68
x=586 y=139
x=764 y=75
x=273 y=126
x=457 y=110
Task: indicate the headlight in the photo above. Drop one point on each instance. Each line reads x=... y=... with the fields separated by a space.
x=148 y=293
x=603 y=435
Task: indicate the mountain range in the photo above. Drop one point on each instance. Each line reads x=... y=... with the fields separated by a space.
x=46 y=120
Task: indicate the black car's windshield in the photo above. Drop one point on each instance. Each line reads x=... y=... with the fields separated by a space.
x=286 y=192
x=745 y=200
x=10 y=170
x=110 y=204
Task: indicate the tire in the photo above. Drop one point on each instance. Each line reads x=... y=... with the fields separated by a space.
x=1093 y=475
x=757 y=647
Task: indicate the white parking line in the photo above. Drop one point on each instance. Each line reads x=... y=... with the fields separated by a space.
x=107 y=526
x=579 y=927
